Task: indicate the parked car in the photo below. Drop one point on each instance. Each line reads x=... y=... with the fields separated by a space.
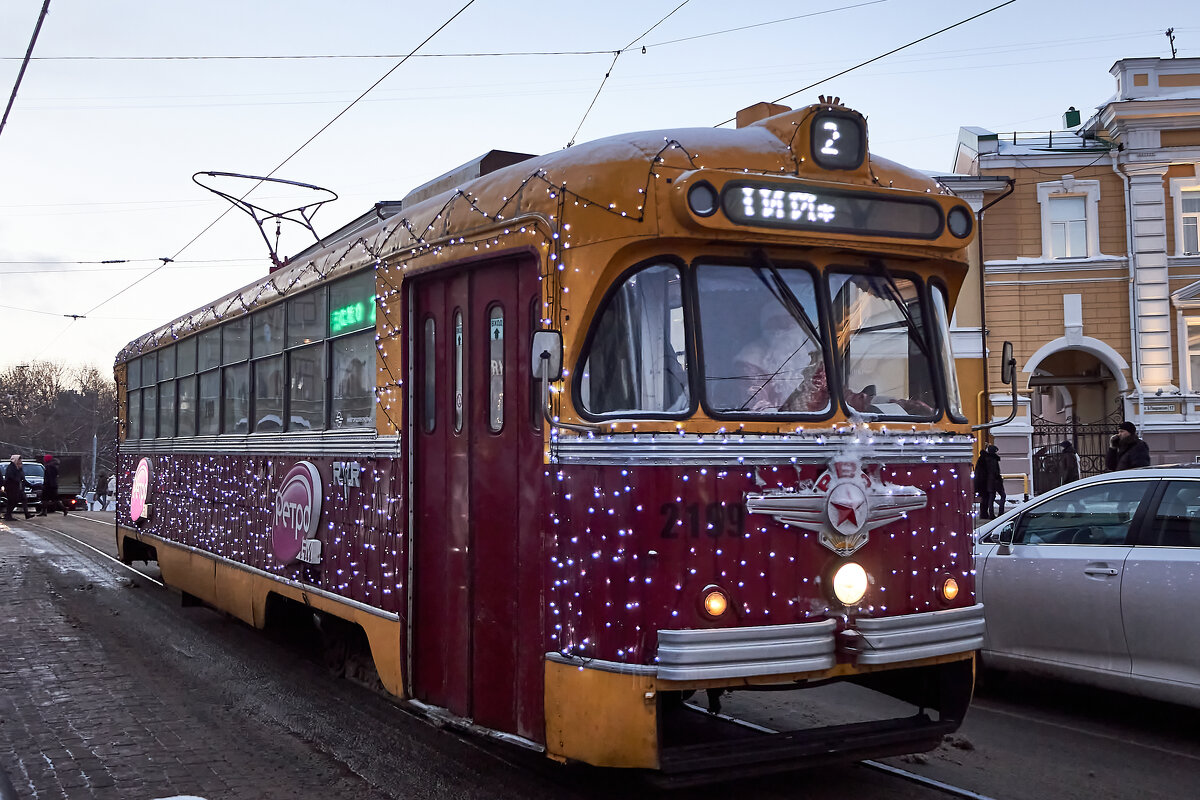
x=1097 y=581
x=34 y=475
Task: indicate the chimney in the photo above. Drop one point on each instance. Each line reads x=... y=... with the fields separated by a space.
x=759 y=111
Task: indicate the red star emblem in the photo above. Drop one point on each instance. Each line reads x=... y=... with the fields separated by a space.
x=846 y=513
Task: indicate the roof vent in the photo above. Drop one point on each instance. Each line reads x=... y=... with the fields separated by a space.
x=1070 y=118
x=758 y=112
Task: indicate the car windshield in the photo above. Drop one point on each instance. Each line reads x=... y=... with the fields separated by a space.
x=33 y=470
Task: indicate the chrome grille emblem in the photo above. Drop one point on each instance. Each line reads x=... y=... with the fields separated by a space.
x=843 y=505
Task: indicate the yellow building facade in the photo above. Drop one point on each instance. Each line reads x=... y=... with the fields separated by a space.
x=1089 y=264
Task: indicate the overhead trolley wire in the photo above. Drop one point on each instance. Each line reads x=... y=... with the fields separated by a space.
x=608 y=72
x=294 y=153
x=882 y=55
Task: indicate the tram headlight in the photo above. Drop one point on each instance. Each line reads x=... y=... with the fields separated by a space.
x=949 y=588
x=850 y=583
x=714 y=601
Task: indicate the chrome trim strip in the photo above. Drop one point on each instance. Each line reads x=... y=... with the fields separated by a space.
x=362 y=444
x=304 y=587
x=601 y=665
x=807 y=447
x=887 y=640
x=718 y=653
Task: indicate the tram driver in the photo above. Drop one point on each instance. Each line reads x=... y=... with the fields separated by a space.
x=783 y=369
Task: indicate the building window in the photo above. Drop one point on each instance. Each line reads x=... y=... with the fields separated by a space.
x=1193 y=352
x=1190 y=219
x=1068 y=227
x=1185 y=196
x=1070 y=218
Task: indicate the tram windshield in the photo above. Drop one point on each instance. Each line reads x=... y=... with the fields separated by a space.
x=766 y=343
x=760 y=337
x=881 y=345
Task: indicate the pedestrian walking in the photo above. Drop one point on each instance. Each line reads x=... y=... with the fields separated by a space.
x=50 y=499
x=101 y=496
x=1126 y=450
x=14 y=488
x=1068 y=462
x=989 y=483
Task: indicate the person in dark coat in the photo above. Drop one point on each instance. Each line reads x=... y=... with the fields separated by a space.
x=50 y=501
x=1126 y=450
x=14 y=488
x=1069 y=462
x=101 y=495
x=988 y=482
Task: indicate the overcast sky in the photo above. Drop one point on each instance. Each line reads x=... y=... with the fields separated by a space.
x=125 y=100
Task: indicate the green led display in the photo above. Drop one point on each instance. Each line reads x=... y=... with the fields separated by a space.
x=352 y=315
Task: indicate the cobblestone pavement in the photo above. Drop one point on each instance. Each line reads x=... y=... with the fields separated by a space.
x=87 y=710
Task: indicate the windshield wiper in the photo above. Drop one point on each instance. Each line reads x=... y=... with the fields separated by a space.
x=914 y=329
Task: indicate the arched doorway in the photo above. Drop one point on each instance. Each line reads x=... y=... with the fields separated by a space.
x=1076 y=397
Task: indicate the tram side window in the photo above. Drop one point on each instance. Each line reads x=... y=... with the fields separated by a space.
x=187 y=405
x=166 y=408
x=236 y=398
x=185 y=357
x=266 y=337
x=149 y=412
x=209 y=419
x=209 y=355
x=166 y=363
x=458 y=371
x=495 y=368
x=636 y=361
x=306 y=318
x=760 y=334
x=306 y=388
x=882 y=345
x=185 y=367
x=133 y=417
x=354 y=381
x=133 y=374
x=941 y=314
x=268 y=394
x=429 y=373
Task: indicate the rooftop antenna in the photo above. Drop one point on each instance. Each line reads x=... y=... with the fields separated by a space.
x=1170 y=34
x=301 y=215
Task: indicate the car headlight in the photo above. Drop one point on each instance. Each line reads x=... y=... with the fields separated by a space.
x=850 y=583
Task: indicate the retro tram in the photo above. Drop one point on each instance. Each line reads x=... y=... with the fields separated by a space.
x=575 y=442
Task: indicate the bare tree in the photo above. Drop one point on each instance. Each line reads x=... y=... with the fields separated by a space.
x=48 y=407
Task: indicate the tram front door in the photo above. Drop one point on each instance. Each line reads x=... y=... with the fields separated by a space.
x=476 y=643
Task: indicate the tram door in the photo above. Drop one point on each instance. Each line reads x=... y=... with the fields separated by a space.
x=477 y=463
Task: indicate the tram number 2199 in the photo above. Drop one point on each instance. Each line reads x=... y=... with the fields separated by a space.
x=695 y=520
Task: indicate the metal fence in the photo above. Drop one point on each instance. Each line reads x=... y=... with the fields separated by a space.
x=1052 y=461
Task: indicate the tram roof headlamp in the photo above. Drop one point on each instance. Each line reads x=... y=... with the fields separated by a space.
x=714 y=601
x=702 y=199
x=960 y=222
x=850 y=583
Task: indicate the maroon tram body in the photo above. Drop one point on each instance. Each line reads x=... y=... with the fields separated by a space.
x=529 y=561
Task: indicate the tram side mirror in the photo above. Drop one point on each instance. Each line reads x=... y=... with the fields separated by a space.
x=1008 y=365
x=548 y=351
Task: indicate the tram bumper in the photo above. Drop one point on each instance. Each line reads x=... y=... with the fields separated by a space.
x=621 y=715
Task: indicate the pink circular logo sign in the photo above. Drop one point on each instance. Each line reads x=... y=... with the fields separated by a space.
x=297 y=511
x=139 y=495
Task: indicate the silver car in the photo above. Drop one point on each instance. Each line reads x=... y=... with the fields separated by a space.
x=1098 y=581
